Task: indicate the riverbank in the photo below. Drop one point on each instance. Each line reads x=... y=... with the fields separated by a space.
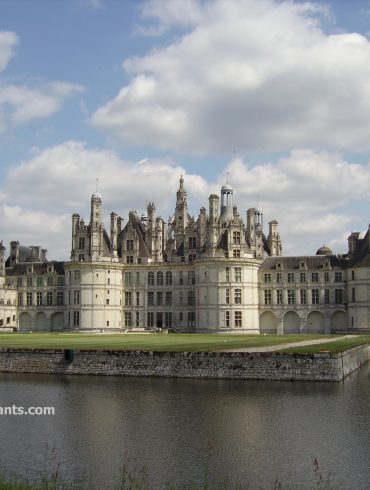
x=319 y=366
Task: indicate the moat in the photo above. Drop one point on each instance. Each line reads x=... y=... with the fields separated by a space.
x=247 y=432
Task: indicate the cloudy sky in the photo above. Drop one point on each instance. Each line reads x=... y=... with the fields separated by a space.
x=275 y=93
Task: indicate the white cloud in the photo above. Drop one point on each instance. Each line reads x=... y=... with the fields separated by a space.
x=20 y=104
x=246 y=75
x=167 y=14
x=8 y=42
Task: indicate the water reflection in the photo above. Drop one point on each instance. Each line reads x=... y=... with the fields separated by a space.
x=241 y=431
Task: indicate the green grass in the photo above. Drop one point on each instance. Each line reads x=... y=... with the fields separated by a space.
x=333 y=347
x=149 y=342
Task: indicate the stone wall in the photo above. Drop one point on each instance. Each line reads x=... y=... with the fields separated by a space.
x=233 y=365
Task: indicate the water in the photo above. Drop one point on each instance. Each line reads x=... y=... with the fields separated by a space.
x=180 y=430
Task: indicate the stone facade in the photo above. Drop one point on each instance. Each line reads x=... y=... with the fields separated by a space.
x=322 y=366
x=211 y=273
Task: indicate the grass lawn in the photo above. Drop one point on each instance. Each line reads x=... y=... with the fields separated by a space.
x=338 y=346
x=148 y=342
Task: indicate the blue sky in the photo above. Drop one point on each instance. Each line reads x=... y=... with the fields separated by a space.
x=134 y=93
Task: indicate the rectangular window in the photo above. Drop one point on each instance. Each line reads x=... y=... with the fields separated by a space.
x=279 y=296
x=227 y=296
x=279 y=277
x=181 y=298
x=191 y=298
x=29 y=299
x=353 y=294
x=191 y=318
x=39 y=299
x=236 y=254
x=238 y=319
x=290 y=277
x=236 y=237
x=159 y=298
x=168 y=319
x=128 y=321
x=19 y=282
x=76 y=318
x=107 y=302
x=128 y=279
x=227 y=318
x=267 y=278
x=192 y=257
x=353 y=275
x=39 y=282
x=168 y=298
x=137 y=298
x=137 y=315
x=338 y=295
x=303 y=296
x=238 y=274
x=338 y=277
x=128 y=298
x=238 y=296
x=150 y=319
x=76 y=297
x=60 y=281
x=137 y=278
x=129 y=259
x=315 y=277
x=315 y=296
x=326 y=296
x=291 y=296
x=267 y=296
x=81 y=242
x=227 y=274
x=326 y=276
x=150 y=298
x=181 y=278
x=191 y=277
x=29 y=282
x=192 y=242
x=50 y=280
x=130 y=245
x=60 y=298
x=20 y=299
x=49 y=298
x=76 y=276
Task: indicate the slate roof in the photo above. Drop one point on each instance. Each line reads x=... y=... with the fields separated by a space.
x=311 y=262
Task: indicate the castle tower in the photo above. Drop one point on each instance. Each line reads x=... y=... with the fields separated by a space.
x=96 y=226
x=181 y=211
x=255 y=231
x=14 y=253
x=227 y=206
x=2 y=259
x=213 y=221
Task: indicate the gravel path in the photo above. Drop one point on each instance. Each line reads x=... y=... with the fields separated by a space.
x=272 y=348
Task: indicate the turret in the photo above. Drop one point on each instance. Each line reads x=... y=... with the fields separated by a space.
x=181 y=211
x=96 y=226
x=2 y=259
x=227 y=209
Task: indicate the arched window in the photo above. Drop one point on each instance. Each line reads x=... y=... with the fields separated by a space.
x=150 y=278
x=168 y=278
x=159 y=278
